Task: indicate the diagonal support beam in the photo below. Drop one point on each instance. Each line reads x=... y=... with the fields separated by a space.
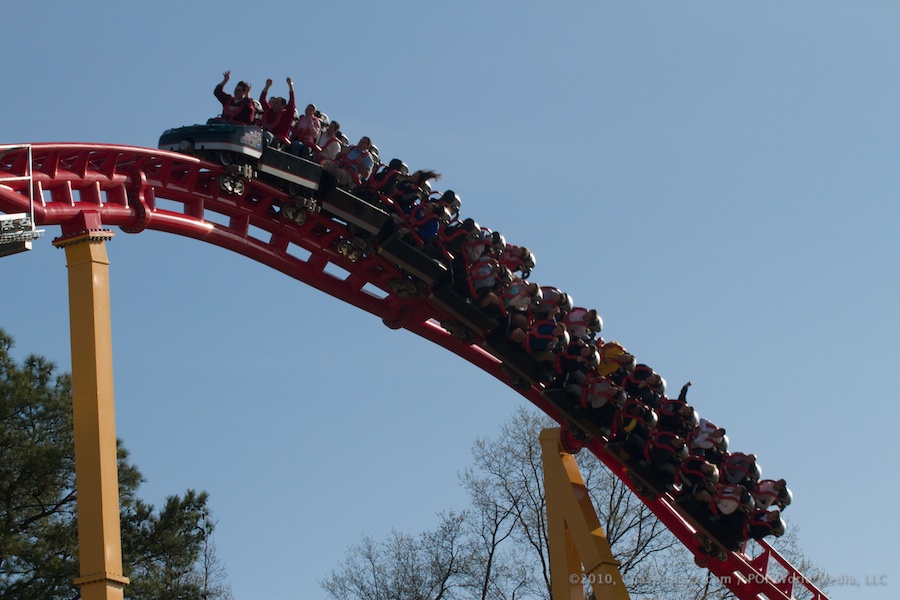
x=579 y=550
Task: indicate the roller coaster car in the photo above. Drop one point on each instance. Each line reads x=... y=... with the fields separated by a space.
x=367 y=224
x=351 y=209
x=414 y=261
x=227 y=143
x=470 y=316
x=298 y=176
x=647 y=480
x=582 y=422
x=522 y=369
x=715 y=538
x=242 y=147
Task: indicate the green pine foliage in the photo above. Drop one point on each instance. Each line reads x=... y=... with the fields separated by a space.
x=164 y=550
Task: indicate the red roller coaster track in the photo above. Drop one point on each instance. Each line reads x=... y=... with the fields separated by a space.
x=124 y=185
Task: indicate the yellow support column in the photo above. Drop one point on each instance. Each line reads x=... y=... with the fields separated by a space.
x=579 y=550
x=96 y=474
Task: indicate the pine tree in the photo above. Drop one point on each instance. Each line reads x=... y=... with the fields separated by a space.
x=164 y=550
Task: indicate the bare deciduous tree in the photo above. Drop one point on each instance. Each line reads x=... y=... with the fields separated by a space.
x=498 y=548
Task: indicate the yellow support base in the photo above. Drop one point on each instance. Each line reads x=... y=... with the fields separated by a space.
x=579 y=550
x=96 y=466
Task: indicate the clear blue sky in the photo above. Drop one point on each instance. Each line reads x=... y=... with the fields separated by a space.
x=719 y=179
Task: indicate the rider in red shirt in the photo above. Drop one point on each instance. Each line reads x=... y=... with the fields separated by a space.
x=278 y=116
x=238 y=108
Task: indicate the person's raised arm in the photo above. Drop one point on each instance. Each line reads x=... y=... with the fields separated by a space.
x=219 y=91
x=291 y=104
x=262 y=96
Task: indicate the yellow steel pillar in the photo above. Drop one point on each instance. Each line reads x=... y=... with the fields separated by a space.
x=96 y=474
x=579 y=550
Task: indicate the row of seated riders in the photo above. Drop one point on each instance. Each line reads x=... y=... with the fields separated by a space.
x=624 y=400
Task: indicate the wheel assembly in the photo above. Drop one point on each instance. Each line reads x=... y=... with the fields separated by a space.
x=293 y=213
x=231 y=184
x=226 y=182
x=402 y=288
x=348 y=249
x=458 y=330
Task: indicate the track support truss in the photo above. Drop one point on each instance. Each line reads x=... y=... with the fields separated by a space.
x=579 y=550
